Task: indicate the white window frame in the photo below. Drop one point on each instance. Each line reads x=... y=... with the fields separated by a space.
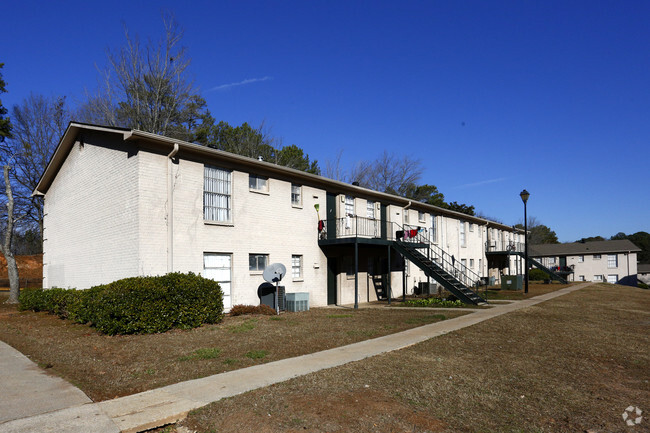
x=462 y=239
x=370 y=209
x=217 y=194
x=434 y=229
x=471 y=227
x=296 y=267
x=581 y=259
x=296 y=195
x=581 y=278
x=612 y=278
x=598 y=279
x=596 y=256
x=422 y=217
x=471 y=263
x=257 y=267
x=258 y=183
x=214 y=266
x=612 y=261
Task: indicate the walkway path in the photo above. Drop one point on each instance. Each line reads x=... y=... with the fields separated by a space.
x=171 y=403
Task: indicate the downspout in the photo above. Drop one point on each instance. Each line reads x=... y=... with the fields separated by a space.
x=170 y=209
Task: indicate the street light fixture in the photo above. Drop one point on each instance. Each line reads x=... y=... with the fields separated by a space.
x=524 y=197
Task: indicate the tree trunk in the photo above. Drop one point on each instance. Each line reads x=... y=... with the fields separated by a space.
x=5 y=246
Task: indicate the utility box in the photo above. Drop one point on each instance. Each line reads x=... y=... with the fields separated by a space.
x=298 y=301
x=426 y=289
x=512 y=282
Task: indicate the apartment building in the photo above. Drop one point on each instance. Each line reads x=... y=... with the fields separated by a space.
x=121 y=203
x=599 y=261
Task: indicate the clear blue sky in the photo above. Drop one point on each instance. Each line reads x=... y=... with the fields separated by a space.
x=493 y=96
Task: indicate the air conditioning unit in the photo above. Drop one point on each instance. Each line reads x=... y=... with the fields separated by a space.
x=297 y=301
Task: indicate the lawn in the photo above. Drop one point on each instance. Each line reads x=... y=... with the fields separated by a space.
x=105 y=367
x=572 y=364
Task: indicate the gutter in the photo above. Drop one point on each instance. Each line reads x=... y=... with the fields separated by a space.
x=170 y=208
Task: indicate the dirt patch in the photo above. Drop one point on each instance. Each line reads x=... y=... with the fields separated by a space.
x=30 y=271
x=570 y=364
x=105 y=367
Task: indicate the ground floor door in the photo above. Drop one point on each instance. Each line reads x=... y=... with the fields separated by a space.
x=219 y=268
x=331 y=281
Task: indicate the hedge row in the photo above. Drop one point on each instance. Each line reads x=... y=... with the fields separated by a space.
x=138 y=305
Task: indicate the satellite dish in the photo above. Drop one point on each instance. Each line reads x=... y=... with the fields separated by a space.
x=274 y=272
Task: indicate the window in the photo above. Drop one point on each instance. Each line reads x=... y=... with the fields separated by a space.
x=581 y=278
x=612 y=261
x=257 y=262
x=612 y=279
x=296 y=267
x=370 y=209
x=479 y=265
x=217 y=190
x=434 y=231
x=581 y=259
x=597 y=257
x=471 y=227
x=462 y=234
x=551 y=260
x=296 y=195
x=218 y=267
x=258 y=183
x=463 y=262
x=471 y=263
x=349 y=205
x=349 y=211
x=598 y=278
x=421 y=217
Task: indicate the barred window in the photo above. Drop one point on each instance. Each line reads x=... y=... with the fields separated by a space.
x=257 y=262
x=217 y=198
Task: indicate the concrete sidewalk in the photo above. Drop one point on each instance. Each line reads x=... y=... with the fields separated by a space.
x=171 y=403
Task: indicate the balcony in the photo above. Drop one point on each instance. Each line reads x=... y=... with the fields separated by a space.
x=501 y=247
x=367 y=230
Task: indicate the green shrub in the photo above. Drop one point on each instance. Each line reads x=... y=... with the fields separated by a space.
x=433 y=302
x=642 y=285
x=537 y=275
x=135 y=305
x=54 y=301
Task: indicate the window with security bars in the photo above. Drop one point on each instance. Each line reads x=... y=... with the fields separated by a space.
x=217 y=194
x=296 y=194
x=296 y=267
x=257 y=262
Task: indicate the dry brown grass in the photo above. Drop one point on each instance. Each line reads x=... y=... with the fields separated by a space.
x=572 y=364
x=105 y=367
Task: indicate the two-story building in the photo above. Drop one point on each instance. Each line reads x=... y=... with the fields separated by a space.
x=599 y=261
x=121 y=202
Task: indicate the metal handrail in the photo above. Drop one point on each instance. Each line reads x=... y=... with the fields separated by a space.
x=443 y=259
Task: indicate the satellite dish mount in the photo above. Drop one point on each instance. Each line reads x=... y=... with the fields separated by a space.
x=273 y=273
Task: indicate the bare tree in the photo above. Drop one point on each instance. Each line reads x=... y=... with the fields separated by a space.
x=5 y=245
x=146 y=87
x=38 y=124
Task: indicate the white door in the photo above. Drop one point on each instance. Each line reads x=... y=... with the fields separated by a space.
x=218 y=267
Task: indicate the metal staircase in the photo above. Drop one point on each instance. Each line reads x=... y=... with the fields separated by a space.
x=380 y=282
x=553 y=275
x=437 y=264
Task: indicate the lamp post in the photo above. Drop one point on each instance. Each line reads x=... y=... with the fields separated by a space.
x=524 y=197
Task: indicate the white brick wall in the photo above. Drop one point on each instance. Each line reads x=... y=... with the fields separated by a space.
x=91 y=217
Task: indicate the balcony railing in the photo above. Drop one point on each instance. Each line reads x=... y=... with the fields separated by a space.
x=505 y=246
x=354 y=226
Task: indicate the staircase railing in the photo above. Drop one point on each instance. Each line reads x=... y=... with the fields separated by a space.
x=443 y=259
